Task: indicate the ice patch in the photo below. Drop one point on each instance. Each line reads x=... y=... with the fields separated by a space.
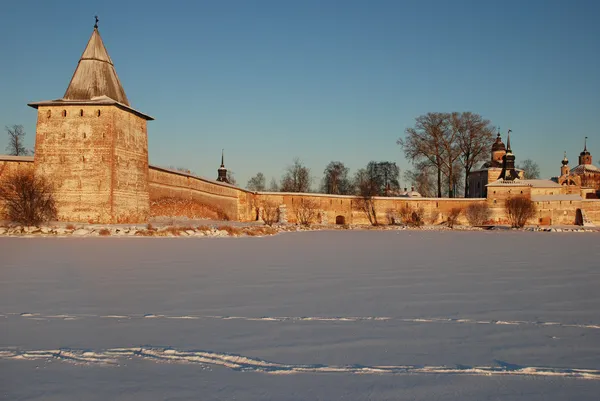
x=243 y=363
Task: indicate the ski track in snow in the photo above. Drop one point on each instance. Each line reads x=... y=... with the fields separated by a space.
x=436 y=320
x=242 y=363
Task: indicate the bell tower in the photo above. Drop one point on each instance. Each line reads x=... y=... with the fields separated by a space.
x=564 y=170
x=509 y=173
x=93 y=146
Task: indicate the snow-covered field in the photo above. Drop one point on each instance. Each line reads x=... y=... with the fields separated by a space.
x=350 y=315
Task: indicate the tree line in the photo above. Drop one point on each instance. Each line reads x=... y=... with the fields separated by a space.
x=375 y=179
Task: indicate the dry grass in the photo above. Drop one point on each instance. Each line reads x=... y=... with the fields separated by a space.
x=145 y=233
x=70 y=226
x=232 y=231
x=260 y=231
x=104 y=232
x=176 y=231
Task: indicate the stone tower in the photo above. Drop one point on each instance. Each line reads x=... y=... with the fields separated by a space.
x=585 y=157
x=93 y=145
x=222 y=171
x=509 y=173
x=564 y=169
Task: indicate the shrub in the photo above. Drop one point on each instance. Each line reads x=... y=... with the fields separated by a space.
x=478 y=213
x=412 y=216
x=519 y=210
x=434 y=216
x=104 y=232
x=70 y=226
x=306 y=211
x=453 y=216
x=392 y=217
x=270 y=212
x=28 y=199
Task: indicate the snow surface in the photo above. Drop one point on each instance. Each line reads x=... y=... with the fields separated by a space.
x=350 y=315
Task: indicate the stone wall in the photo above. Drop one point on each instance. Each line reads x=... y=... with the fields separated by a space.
x=242 y=205
x=347 y=210
x=232 y=201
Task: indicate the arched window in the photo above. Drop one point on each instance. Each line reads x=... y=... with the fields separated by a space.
x=98 y=113
x=64 y=113
x=49 y=113
x=81 y=113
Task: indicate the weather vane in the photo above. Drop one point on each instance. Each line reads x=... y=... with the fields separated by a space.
x=96 y=24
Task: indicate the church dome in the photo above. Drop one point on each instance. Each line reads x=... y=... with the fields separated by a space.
x=565 y=161
x=498 y=144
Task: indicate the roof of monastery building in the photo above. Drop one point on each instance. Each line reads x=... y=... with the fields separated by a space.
x=524 y=183
x=585 y=168
x=95 y=81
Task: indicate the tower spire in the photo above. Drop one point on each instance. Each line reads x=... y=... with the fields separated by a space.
x=222 y=157
x=508 y=149
x=95 y=75
x=585 y=144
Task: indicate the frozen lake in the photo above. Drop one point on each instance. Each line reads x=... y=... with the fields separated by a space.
x=353 y=315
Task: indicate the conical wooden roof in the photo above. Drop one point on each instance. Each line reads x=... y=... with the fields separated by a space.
x=95 y=75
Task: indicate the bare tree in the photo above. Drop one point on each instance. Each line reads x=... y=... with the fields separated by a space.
x=270 y=212
x=453 y=216
x=531 y=170
x=422 y=178
x=475 y=137
x=257 y=183
x=273 y=185
x=296 y=178
x=16 y=146
x=28 y=199
x=231 y=177
x=519 y=209
x=184 y=170
x=451 y=152
x=381 y=179
x=366 y=189
x=307 y=211
x=425 y=142
x=335 y=180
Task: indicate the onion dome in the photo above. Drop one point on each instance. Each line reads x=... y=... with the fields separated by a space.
x=565 y=161
x=498 y=144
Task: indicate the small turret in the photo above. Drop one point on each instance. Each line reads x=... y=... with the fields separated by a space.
x=222 y=171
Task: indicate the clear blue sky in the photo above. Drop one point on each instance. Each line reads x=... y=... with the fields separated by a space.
x=320 y=80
